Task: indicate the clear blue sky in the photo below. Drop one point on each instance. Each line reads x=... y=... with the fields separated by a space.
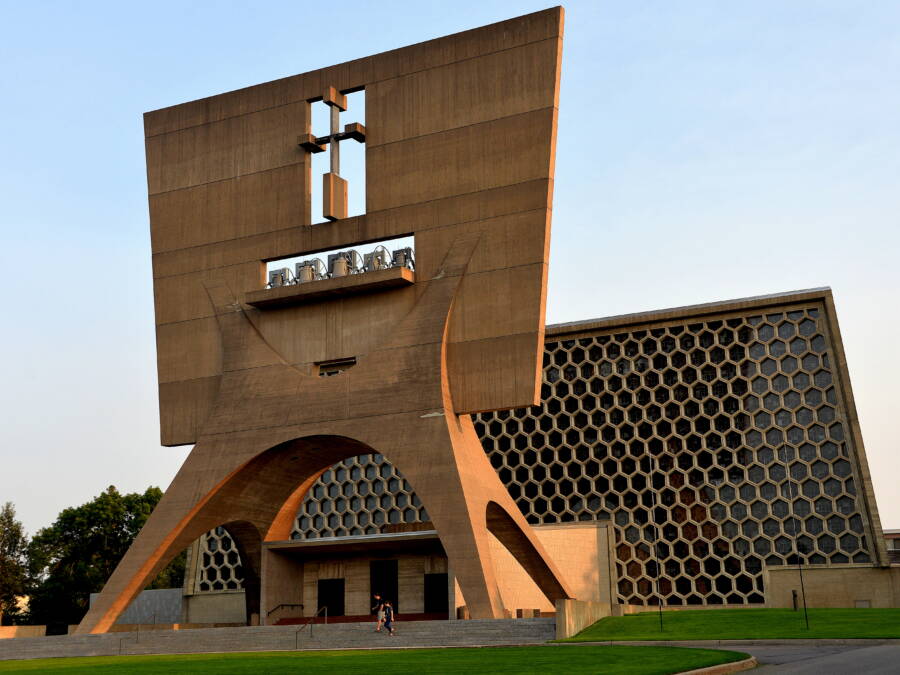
x=707 y=150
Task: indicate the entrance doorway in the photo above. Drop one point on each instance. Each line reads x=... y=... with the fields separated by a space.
x=436 y=594
x=331 y=595
x=383 y=580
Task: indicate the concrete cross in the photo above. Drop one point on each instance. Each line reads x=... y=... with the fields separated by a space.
x=334 y=188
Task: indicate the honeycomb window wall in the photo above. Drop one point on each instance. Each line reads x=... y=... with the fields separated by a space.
x=220 y=563
x=714 y=444
x=360 y=495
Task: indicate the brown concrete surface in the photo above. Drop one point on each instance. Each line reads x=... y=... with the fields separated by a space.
x=473 y=182
x=9 y=632
x=835 y=586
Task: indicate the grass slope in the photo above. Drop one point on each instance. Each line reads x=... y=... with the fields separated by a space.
x=746 y=624
x=570 y=660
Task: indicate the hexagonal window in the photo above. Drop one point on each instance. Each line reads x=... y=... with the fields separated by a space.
x=810 y=362
x=762 y=420
x=801 y=381
x=807 y=327
x=813 y=397
x=822 y=378
x=798 y=346
x=789 y=365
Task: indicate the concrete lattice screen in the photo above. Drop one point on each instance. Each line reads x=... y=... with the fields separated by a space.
x=220 y=563
x=683 y=428
x=358 y=496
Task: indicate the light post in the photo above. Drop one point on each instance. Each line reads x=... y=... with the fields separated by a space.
x=792 y=495
x=654 y=492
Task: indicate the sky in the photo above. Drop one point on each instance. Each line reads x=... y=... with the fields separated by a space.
x=706 y=151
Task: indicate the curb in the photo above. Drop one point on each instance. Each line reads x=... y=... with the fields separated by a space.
x=721 y=669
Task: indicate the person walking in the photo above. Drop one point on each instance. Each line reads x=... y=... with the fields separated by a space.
x=389 y=617
x=378 y=608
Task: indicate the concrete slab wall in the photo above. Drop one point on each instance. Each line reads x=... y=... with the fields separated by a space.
x=7 y=632
x=155 y=606
x=844 y=586
x=573 y=616
x=222 y=607
x=581 y=552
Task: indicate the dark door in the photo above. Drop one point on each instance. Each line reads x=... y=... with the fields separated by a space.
x=331 y=595
x=383 y=580
x=436 y=594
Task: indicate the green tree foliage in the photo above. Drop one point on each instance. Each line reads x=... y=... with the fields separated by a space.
x=13 y=544
x=77 y=554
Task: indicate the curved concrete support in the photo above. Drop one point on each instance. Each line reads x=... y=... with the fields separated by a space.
x=275 y=428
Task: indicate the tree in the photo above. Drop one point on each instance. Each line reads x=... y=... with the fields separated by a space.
x=77 y=554
x=13 y=543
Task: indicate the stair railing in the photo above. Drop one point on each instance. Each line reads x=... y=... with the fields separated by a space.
x=309 y=623
x=282 y=606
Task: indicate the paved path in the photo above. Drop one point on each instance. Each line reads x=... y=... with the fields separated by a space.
x=827 y=659
x=799 y=657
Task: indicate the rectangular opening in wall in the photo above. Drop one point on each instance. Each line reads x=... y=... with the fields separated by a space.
x=437 y=599
x=335 y=366
x=331 y=596
x=341 y=262
x=351 y=154
x=383 y=580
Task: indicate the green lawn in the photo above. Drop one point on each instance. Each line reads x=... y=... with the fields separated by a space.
x=570 y=660
x=746 y=624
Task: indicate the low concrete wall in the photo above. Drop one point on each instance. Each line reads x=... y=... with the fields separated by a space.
x=843 y=586
x=161 y=606
x=225 y=607
x=623 y=610
x=7 y=632
x=581 y=552
x=136 y=628
x=573 y=616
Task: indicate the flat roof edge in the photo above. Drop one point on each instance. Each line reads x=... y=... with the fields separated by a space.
x=352 y=539
x=720 y=306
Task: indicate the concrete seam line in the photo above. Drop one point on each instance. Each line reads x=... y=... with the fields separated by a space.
x=722 y=668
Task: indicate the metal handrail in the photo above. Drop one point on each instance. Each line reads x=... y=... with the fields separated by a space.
x=310 y=624
x=284 y=604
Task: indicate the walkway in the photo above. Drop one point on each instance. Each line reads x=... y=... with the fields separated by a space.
x=828 y=659
x=801 y=657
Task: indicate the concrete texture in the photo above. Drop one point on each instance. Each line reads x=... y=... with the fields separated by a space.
x=8 y=632
x=573 y=616
x=454 y=132
x=162 y=605
x=838 y=586
x=581 y=552
x=221 y=607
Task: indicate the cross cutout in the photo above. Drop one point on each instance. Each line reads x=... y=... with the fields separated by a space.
x=334 y=188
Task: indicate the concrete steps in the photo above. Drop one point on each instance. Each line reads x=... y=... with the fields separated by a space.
x=477 y=632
